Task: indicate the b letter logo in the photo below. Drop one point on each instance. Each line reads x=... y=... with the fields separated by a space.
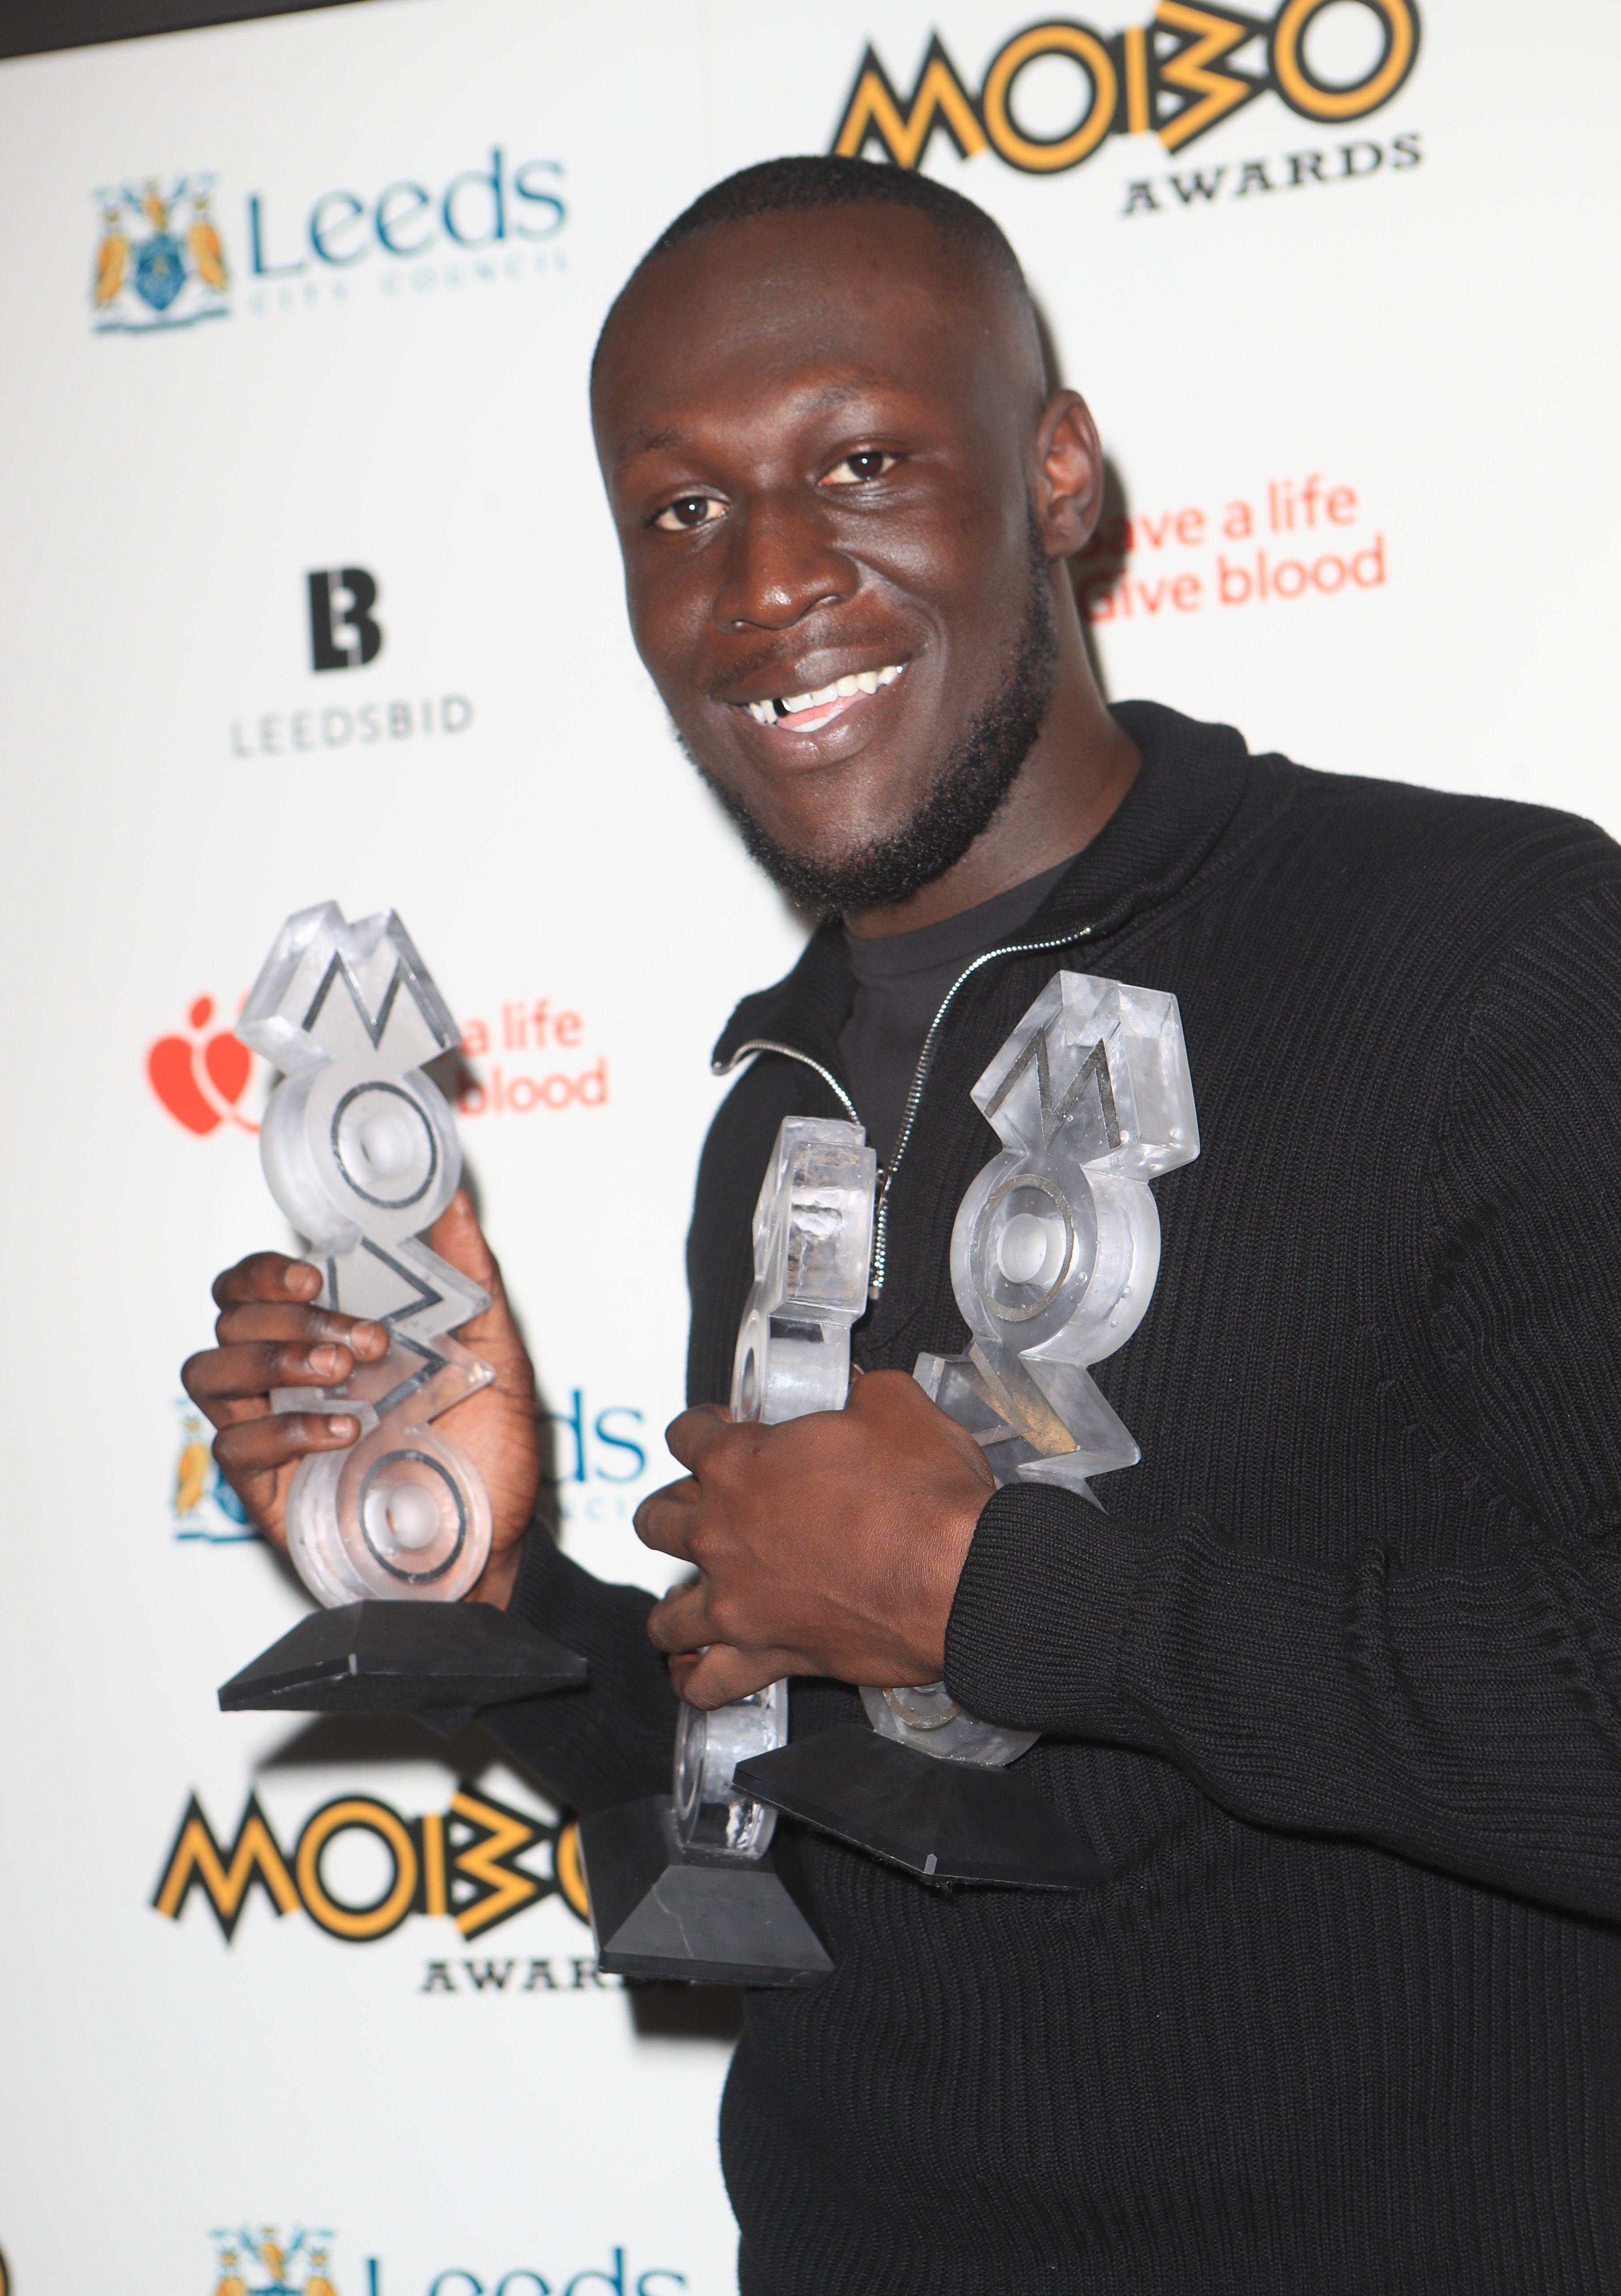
x=343 y=634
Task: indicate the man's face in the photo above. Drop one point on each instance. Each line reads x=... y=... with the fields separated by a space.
x=818 y=434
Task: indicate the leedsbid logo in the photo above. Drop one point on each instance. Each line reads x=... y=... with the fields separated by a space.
x=344 y=634
x=1175 y=76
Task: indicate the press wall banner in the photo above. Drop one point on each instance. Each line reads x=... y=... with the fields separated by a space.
x=308 y=593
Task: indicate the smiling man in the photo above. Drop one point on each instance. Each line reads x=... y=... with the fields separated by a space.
x=1333 y=1685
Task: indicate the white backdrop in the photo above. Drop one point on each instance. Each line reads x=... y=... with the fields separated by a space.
x=1357 y=407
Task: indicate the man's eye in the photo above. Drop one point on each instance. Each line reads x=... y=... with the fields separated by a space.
x=687 y=512
x=871 y=462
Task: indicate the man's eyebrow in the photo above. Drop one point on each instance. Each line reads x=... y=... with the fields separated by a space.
x=646 y=442
x=824 y=398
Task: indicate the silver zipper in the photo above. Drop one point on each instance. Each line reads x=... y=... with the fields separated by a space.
x=791 y=1053
x=886 y=1173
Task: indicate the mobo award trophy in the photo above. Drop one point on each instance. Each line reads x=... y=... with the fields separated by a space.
x=684 y=1887
x=1054 y=1253
x=359 y=1149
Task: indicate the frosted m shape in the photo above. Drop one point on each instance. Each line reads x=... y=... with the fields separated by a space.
x=360 y=1152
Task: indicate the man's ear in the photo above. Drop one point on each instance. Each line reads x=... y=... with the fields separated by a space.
x=1068 y=492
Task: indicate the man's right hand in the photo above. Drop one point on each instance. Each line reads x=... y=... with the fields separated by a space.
x=270 y=1334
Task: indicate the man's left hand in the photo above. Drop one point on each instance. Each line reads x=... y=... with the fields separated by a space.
x=828 y=1545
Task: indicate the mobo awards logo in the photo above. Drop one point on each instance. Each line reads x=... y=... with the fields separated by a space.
x=159 y=261
x=460 y=1861
x=1175 y=76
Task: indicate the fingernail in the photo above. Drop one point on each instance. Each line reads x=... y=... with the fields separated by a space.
x=366 y=1335
x=295 y=1275
x=345 y=1429
x=323 y=1361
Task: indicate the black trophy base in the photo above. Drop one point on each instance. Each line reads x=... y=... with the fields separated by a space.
x=661 y=1910
x=438 y=1661
x=942 y=1821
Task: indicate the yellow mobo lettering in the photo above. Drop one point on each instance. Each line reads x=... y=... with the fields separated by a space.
x=197 y=1858
x=1304 y=94
x=571 y=1871
x=938 y=99
x=460 y=1862
x=357 y=1922
x=486 y=1862
x=1032 y=155
x=1213 y=93
x=1128 y=79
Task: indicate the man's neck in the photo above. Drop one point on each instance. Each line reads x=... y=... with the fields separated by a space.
x=1079 y=768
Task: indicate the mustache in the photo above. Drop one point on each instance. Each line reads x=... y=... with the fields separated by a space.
x=774 y=658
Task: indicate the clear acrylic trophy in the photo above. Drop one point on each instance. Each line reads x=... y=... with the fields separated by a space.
x=360 y=1149
x=1054 y=1253
x=683 y=1889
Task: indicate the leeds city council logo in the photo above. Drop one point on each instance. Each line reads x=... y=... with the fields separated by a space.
x=159 y=261
x=1175 y=76
x=256 y=2261
x=203 y=1504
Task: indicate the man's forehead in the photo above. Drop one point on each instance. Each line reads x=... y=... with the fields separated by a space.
x=801 y=393
x=775 y=292
x=789 y=368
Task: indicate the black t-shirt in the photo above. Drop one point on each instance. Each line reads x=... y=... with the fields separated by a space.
x=900 y=981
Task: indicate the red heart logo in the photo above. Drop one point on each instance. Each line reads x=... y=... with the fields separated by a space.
x=169 y=1067
x=228 y=1062
x=200 y=1082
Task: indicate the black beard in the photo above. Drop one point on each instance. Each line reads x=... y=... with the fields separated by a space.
x=959 y=804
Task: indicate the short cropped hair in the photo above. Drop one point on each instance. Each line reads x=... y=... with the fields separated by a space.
x=810 y=181
x=778 y=186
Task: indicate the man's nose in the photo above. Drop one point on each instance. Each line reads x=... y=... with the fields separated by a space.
x=780 y=566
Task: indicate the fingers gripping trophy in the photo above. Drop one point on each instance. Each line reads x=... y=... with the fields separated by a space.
x=359 y=1149
x=1054 y=1253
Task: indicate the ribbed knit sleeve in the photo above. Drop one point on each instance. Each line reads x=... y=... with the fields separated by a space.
x=612 y=1740
x=1469 y=1717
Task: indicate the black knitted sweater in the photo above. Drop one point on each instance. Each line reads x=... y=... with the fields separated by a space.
x=1334 y=1687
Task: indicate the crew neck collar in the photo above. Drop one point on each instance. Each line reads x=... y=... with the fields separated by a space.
x=890 y=956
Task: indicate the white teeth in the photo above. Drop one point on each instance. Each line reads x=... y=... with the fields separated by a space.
x=866 y=681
